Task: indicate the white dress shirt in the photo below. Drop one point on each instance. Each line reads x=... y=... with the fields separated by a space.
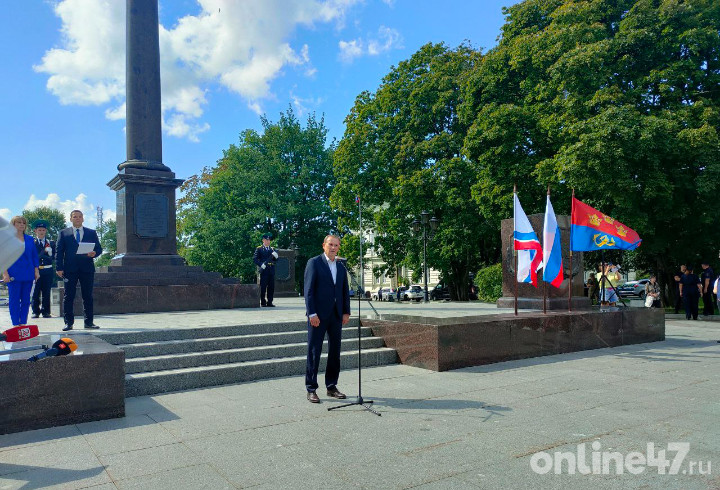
x=333 y=268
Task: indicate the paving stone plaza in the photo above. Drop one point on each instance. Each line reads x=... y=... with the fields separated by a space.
x=505 y=425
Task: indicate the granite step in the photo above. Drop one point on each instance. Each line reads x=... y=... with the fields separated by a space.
x=139 y=336
x=149 y=383
x=184 y=346
x=229 y=356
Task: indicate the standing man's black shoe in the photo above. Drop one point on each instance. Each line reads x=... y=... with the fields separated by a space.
x=35 y=315
x=47 y=316
x=271 y=305
x=67 y=327
x=92 y=325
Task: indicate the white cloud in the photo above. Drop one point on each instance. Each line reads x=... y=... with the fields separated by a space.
x=349 y=50
x=65 y=206
x=6 y=213
x=304 y=106
x=385 y=40
x=242 y=45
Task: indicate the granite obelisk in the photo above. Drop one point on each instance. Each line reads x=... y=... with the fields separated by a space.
x=145 y=187
x=147 y=274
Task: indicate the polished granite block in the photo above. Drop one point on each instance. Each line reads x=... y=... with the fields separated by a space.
x=420 y=342
x=86 y=385
x=441 y=344
x=178 y=297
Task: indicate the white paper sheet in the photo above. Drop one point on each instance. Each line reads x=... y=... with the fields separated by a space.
x=85 y=248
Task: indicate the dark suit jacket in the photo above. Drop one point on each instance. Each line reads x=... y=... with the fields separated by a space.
x=322 y=296
x=67 y=259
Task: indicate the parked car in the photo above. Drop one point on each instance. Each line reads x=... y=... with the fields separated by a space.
x=414 y=293
x=633 y=288
x=388 y=294
x=441 y=291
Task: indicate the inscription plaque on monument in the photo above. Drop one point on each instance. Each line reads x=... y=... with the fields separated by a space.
x=151 y=215
x=282 y=269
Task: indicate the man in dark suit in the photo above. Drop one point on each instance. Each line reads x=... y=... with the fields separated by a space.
x=327 y=306
x=46 y=255
x=72 y=267
x=265 y=258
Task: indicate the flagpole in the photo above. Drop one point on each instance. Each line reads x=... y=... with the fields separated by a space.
x=545 y=261
x=570 y=279
x=515 y=256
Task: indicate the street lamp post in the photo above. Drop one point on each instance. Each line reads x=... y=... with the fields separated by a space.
x=423 y=223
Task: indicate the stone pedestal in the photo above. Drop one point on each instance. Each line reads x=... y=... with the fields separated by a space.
x=145 y=206
x=441 y=344
x=147 y=275
x=81 y=387
x=530 y=297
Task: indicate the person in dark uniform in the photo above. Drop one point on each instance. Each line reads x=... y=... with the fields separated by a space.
x=46 y=254
x=707 y=279
x=690 y=290
x=265 y=258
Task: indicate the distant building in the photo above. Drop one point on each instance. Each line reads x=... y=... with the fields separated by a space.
x=372 y=261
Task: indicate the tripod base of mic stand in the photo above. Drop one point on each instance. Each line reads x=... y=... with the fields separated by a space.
x=360 y=402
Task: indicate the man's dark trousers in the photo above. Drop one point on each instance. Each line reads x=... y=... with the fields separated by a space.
x=316 y=336
x=708 y=303
x=267 y=285
x=42 y=285
x=87 y=281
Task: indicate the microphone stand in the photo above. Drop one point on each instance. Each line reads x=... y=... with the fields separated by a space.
x=360 y=292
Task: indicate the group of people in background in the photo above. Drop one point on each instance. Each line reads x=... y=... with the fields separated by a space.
x=689 y=288
x=35 y=268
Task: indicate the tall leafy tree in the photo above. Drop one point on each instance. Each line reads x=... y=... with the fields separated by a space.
x=277 y=181
x=617 y=100
x=55 y=219
x=402 y=153
x=108 y=240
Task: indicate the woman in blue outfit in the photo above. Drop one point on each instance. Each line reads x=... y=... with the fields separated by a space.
x=20 y=276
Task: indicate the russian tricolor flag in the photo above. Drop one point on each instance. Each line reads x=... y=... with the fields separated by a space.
x=552 y=252
x=527 y=245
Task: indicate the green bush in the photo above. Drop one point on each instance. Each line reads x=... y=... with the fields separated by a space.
x=489 y=283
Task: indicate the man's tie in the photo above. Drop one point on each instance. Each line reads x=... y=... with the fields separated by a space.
x=77 y=235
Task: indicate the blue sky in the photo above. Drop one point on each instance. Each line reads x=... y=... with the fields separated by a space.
x=224 y=62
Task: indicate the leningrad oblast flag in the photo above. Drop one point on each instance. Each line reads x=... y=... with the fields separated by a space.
x=552 y=253
x=527 y=245
x=592 y=230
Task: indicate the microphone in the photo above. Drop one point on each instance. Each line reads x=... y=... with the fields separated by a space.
x=18 y=334
x=62 y=347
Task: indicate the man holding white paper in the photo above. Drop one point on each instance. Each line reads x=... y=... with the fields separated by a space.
x=77 y=246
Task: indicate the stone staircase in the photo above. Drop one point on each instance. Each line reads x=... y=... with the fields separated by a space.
x=160 y=361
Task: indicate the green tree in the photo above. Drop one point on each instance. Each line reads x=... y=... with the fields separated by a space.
x=277 y=181
x=108 y=241
x=55 y=219
x=617 y=100
x=401 y=153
